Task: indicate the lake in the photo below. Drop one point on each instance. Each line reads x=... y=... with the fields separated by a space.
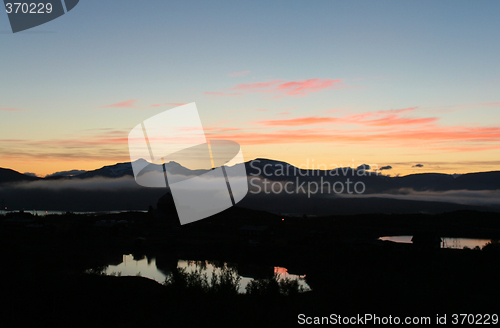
x=56 y=212
x=147 y=267
x=447 y=242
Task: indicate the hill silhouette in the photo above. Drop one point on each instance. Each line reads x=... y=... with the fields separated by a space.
x=112 y=187
x=282 y=171
x=9 y=175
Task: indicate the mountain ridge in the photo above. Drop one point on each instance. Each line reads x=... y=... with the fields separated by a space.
x=106 y=189
x=274 y=170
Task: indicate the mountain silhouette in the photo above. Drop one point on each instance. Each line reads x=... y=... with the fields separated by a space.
x=281 y=171
x=112 y=187
x=8 y=175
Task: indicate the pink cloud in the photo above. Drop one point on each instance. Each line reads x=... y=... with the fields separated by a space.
x=493 y=104
x=222 y=129
x=293 y=88
x=395 y=120
x=105 y=145
x=235 y=74
x=359 y=119
x=380 y=112
x=254 y=87
x=302 y=88
x=11 y=109
x=474 y=148
x=436 y=138
x=218 y=93
x=433 y=137
x=282 y=88
x=397 y=111
x=168 y=104
x=124 y=104
x=299 y=121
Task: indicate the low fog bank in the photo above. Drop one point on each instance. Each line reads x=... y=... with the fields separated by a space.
x=108 y=194
x=464 y=197
x=96 y=194
x=298 y=205
x=308 y=197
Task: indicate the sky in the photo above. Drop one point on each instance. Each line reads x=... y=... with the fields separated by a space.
x=411 y=86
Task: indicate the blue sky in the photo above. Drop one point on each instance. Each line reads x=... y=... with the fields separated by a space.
x=440 y=58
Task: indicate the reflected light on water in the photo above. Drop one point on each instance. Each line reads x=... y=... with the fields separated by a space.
x=447 y=242
x=133 y=267
x=146 y=267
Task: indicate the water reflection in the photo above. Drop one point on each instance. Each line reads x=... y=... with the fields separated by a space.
x=447 y=242
x=55 y=212
x=158 y=269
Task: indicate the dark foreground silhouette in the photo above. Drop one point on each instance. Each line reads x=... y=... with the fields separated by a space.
x=50 y=268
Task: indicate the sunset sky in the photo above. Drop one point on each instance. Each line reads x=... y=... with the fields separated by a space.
x=410 y=85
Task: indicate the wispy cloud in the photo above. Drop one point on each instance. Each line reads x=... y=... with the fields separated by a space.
x=104 y=145
x=299 y=121
x=431 y=137
x=11 y=109
x=292 y=88
x=302 y=88
x=386 y=118
x=282 y=88
x=281 y=111
x=492 y=104
x=168 y=104
x=220 y=93
x=395 y=120
x=236 y=74
x=124 y=104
